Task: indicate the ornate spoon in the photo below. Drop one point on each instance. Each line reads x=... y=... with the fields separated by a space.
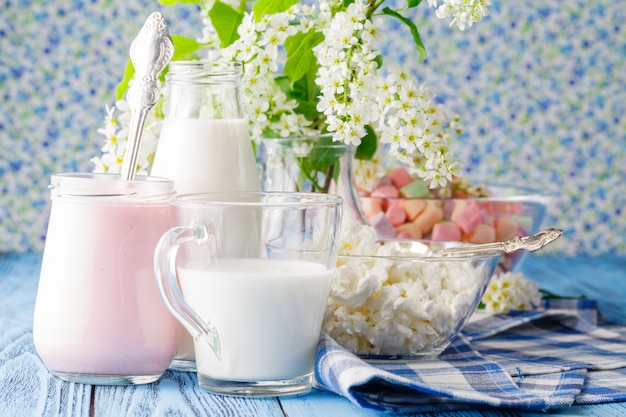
x=530 y=243
x=150 y=52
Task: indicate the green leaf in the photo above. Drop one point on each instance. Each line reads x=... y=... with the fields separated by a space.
x=300 y=57
x=309 y=85
x=121 y=88
x=368 y=145
x=225 y=20
x=410 y=4
x=283 y=83
x=263 y=7
x=184 y=47
x=324 y=153
x=323 y=159
x=379 y=60
x=304 y=91
x=173 y=2
x=416 y=36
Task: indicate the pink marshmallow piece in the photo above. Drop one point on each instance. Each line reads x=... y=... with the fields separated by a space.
x=469 y=218
x=382 y=225
x=385 y=191
x=395 y=214
x=446 y=231
x=400 y=177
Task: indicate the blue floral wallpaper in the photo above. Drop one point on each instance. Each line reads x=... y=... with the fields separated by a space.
x=540 y=87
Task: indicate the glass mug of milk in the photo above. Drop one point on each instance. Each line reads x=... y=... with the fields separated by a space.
x=98 y=316
x=248 y=275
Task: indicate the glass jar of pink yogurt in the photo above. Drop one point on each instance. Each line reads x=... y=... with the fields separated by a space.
x=98 y=316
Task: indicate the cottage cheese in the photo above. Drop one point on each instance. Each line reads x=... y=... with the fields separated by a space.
x=383 y=306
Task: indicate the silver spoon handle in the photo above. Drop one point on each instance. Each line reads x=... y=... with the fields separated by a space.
x=150 y=52
x=530 y=243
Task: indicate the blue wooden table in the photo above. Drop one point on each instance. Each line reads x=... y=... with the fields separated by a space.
x=28 y=389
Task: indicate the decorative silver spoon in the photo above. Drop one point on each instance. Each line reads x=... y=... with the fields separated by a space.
x=530 y=243
x=150 y=52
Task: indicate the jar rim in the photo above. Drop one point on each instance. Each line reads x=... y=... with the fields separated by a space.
x=286 y=142
x=258 y=198
x=204 y=71
x=108 y=186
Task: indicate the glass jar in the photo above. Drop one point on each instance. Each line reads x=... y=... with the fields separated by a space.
x=205 y=144
x=98 y=316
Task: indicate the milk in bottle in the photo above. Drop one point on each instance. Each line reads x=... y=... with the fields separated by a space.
x=204 y=144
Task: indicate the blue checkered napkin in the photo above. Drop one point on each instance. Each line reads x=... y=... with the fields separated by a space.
x=549 y=358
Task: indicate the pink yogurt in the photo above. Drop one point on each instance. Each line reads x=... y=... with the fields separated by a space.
x=98 y=315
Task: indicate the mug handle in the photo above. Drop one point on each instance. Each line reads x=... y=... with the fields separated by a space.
x=169 y=289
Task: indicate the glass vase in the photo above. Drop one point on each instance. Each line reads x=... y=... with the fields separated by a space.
x=311 y=164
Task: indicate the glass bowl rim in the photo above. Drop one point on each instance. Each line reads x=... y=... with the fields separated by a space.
x=416 y=258
x=527 y=194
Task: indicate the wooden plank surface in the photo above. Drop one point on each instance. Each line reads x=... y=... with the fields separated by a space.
x=601 y=278
x=177 y=394
x=28 y=389
x=320 y=403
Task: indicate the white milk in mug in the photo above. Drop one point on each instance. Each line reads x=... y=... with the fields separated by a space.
x=262 y=308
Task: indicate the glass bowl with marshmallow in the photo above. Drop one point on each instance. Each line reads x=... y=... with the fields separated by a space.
x=403 y=207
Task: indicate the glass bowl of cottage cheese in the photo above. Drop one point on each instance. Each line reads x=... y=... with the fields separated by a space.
x=398 y=300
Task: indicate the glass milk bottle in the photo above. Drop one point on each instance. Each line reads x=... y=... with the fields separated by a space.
x=205 y=144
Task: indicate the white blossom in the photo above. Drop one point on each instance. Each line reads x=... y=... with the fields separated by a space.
x=115 y=132
x=367 y=173
x=345 y=98
x=415 y=128
x=354 y=93
x=463 y=13
x=510 y=291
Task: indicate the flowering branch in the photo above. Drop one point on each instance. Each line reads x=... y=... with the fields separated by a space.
x=315 y=69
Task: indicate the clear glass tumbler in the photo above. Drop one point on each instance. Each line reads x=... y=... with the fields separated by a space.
x=248 y=275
